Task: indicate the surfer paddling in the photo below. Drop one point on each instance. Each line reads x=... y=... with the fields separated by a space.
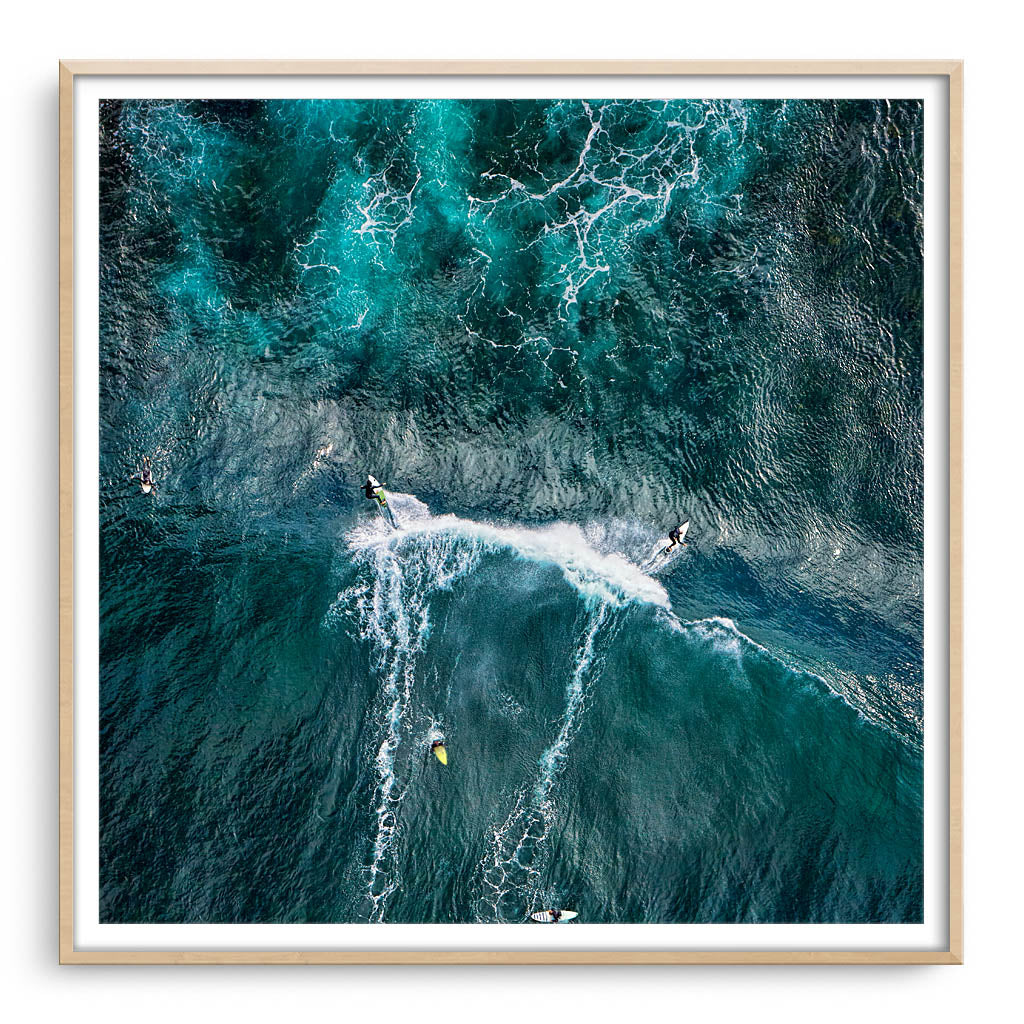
x=145 y=476
x=553 y=916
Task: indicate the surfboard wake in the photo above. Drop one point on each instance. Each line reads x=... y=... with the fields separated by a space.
x=512 y=870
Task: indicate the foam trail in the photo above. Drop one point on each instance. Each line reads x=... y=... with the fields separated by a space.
x=511 y=870
x=391 y=607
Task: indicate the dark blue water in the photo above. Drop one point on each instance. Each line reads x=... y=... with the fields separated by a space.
x=554 y=329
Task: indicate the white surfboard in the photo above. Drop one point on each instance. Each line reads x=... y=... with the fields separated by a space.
x=544 y=916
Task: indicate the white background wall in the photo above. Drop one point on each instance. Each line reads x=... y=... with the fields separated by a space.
x=986 y=34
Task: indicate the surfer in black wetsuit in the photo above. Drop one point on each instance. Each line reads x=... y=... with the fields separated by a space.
x=145 y=476
x=676 y=537
x=556 y=915
x=374 y=491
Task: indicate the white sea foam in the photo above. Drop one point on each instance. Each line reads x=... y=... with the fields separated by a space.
x=602 y=577
x=612 y=194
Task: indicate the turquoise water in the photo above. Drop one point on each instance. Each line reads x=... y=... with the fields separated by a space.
x=554 y=329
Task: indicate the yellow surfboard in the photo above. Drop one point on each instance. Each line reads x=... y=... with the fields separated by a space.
x=442 y=754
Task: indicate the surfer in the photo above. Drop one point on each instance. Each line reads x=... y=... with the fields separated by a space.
x=676 y=537
x=374 y=491
x=145 y=476
x=553 y=916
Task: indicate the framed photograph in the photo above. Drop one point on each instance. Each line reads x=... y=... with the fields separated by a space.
x=510 y=512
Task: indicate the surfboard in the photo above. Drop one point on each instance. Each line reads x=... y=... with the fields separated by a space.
x=441 y=754
x=146 y=488
x=544 y=916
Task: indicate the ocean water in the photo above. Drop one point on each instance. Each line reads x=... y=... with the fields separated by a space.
x=554 y=329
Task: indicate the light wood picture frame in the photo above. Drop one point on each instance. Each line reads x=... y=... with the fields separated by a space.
x=74 y=150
